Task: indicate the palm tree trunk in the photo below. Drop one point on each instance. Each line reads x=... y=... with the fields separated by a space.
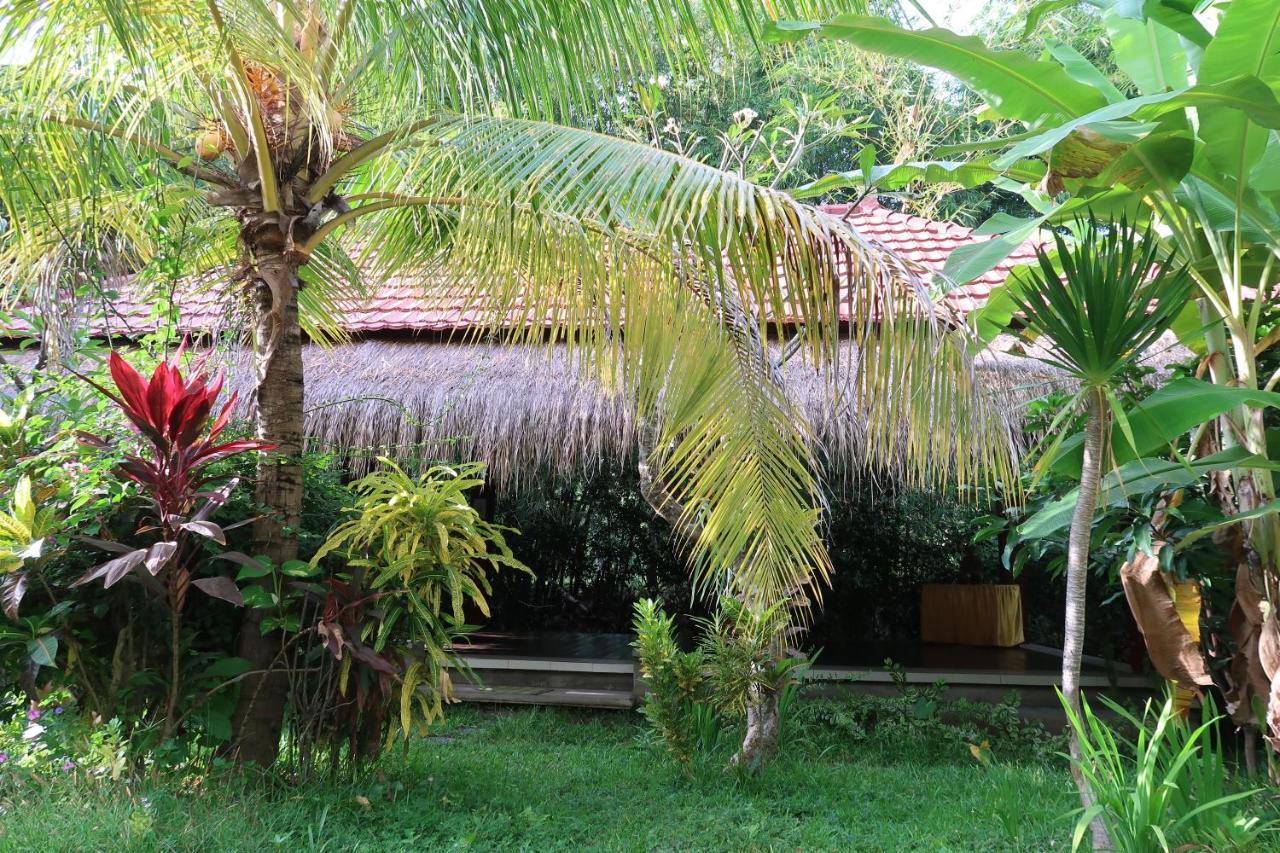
x=1078 y=548
x=764 y=721
x=260 y=710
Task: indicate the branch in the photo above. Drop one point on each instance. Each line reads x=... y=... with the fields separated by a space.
x=361 y=154
x=373 y=207
x=175 y=159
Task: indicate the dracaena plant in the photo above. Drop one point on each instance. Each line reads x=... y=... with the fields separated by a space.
x=25 y=532
x=423 y=553
x=1113 y=295
x=179 y=438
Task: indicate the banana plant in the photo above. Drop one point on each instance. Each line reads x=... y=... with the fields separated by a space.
x=1189 y=145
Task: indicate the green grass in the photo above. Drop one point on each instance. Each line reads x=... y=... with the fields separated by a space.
x=559 y=780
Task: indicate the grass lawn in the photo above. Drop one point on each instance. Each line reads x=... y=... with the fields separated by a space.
x=538 y=779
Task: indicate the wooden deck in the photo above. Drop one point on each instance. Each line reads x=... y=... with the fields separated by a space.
x=518 y=669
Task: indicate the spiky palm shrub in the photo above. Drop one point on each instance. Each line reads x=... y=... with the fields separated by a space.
x=1097 y=305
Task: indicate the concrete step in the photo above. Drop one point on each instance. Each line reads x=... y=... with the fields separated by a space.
x=520 y=695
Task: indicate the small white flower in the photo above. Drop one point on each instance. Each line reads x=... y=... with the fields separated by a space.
x=671 y=128
x=744 y=117
x=663 y=81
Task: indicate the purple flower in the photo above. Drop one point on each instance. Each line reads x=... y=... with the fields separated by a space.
x=4 y=756
x=33 y=714
x=58 y=711
x=68 y=765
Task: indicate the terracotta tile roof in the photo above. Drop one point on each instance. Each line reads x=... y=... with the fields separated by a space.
x=929 y=243
x=400 y=305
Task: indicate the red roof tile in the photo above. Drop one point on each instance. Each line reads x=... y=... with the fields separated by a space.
x=402 y=306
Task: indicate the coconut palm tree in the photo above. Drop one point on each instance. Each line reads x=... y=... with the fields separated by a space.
x=1109 y=298
x=308 y=145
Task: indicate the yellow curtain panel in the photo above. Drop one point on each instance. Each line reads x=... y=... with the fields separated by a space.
x=971 y=614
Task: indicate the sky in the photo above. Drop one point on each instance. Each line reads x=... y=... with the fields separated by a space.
x=958 y=15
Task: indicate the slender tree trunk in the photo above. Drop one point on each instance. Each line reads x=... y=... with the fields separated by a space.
x=1078 y=548
x=175 y=672
x=763 y=724
x=260 y=711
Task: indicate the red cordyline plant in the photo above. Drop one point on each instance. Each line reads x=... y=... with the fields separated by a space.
x=172 y=416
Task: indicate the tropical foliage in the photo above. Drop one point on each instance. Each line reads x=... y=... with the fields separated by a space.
x=1109 y=299
x=1187 y=143
x=1162 y=784
x=420 y=552
x=319 y=143
x=743 y=669
x=172 y=415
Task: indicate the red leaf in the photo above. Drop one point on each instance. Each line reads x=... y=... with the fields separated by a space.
x=159 y=554
x=231 y=448
x=12 y=588
x=88 y=439
x=163 y=394
x=117 y=547
x=113 y=570
x=207 y=529
x=133 y=388
x=215 y=499
x=331 y=638
x=220 y=587
x=370 y=658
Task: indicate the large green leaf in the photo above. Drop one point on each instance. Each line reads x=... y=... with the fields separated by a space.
x=1201 y=532
x=1246 y=93
x=1083 y=71
x=1014 y=84
x=1150 y=53
x=1223 y=205
x=1247 y=42
x=1138 y=477
x=43 y=650
x=1179 y=16
x=967 y=262
x=1169 y=412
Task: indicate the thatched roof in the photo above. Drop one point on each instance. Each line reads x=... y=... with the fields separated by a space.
x=522 y=409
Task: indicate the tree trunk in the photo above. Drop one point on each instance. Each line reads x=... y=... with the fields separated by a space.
x=1078 y=548
x=763 y=722
x=260 y=711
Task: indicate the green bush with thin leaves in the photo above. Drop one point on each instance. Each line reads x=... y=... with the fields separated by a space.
x=676 y=700
x=1166 y=787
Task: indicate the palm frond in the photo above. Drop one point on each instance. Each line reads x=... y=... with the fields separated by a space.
x=1110 y=295
x=667 y=278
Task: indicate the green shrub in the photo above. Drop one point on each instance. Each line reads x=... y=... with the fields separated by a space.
x=55 y=738
x=676 y=705
x=414 y=556
x=919 y=724
x=742 y=661
x=1167 y=787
